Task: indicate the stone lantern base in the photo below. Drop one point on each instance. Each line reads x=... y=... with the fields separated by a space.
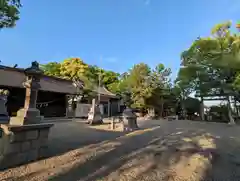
x=23 y=144
x=26 y=116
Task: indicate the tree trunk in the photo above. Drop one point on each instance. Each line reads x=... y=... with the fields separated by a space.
x=202 y=109
x=161 y=113
x=231 y=120
x=183 y=109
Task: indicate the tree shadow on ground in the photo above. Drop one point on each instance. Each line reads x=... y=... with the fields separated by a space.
x=186 y=155
x=67 y=136
x=65 y=139
x=156 y=154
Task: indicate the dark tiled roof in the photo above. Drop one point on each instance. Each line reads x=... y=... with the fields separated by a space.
x=14 y=77
x=104 y=91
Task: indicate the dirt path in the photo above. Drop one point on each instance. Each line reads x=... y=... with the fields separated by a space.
x=180 y=150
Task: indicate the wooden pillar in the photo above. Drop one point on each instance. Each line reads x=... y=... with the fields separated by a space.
x=66 y=106
x=109 y=108
x=119 y=106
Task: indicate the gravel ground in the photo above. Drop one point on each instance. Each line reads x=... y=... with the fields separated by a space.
x=161 y=150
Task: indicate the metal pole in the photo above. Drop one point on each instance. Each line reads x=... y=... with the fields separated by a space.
x=99 y=84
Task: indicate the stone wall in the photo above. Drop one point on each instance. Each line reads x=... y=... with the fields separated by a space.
x=23 y=144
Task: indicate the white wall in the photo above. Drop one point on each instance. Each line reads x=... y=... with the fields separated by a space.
x=82 y=110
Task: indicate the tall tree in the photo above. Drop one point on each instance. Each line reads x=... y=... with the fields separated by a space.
x=73 y=69
x=148 y=88
x=106 y=77
x=9 y=13
x=52 y=69
x=137 y=82
x=211 y=64
x=159 y=86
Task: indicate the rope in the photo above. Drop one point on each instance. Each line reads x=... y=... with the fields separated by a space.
x=40 y=104
x=49 y=101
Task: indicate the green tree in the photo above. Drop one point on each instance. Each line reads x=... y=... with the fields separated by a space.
x=109 y=79
x=195 y=73
x=145 y=88
x=9 y=13
x=138 y=84
x=73 y=69
x=222 y=52
x=159 y=85
x=52 y=69
x=211 y=64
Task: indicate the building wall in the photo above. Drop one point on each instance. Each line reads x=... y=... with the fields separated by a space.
x=83 y=108
x=114 y=107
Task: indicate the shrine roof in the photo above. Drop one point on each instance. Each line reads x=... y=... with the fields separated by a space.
x=14 y=77
x=104 y=91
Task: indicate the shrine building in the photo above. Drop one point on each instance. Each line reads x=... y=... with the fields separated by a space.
x=52 y=96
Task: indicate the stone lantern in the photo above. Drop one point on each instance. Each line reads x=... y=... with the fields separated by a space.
x=25 y=138
x=129 y=120
x=30 y=114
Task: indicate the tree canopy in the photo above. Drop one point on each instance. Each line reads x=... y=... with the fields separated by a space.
x=9 y=13
x=210 y=67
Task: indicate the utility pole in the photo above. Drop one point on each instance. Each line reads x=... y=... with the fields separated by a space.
x=99 y=82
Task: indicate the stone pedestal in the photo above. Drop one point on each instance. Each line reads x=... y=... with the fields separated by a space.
x=129 y=120
x=4 y=118
x=23 y=144
x=26 y=116
x=94 y=115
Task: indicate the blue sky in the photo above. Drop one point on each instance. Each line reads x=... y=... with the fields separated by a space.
x=114 y=34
